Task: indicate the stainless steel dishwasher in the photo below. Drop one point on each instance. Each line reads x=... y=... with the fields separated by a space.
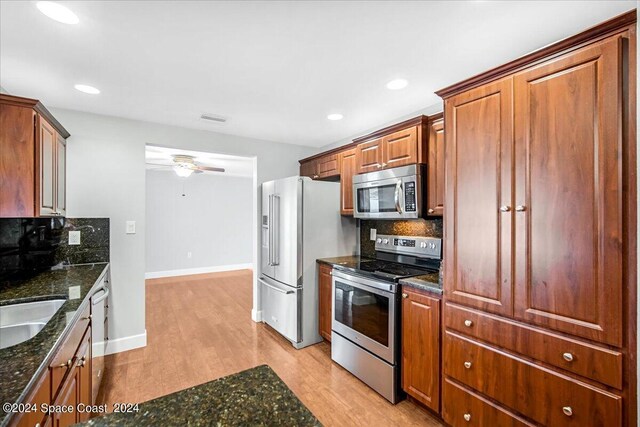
x=99 y=332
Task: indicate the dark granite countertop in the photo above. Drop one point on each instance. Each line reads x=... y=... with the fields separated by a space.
x=23 y=363
x=349 y=262
x=426 y=282
x=256 y=397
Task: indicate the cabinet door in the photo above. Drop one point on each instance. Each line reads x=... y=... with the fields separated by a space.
x=435 y=169
x=68 y=397
x=421 y=348
x=40 y=394
x=400 y=148
x=347 y=171
x=569 y=190
x=61 y=175
x=369 y=156
x=309 y=169
x=329 y=166
x=85 y=395
x=324 y=300
x=478 y=253
x=47 y=167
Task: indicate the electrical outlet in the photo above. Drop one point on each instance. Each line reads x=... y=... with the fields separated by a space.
x=373 y=233
x=74 y=237
x=189 y=254
x=131 y=227
x=74 y=292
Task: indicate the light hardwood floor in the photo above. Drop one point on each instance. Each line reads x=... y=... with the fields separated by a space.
x=199 y=328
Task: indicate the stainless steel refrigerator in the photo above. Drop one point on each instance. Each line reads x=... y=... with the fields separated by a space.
x=301 y=222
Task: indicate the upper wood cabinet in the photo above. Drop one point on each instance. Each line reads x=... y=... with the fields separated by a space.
x=392 y=147
x=435 y=166
x=421 y=347
x=329 y=166
x=347 y=171
x=400 y=148
x=32 y=160
x=478 y=215
x=310 y=169
x=369 y=156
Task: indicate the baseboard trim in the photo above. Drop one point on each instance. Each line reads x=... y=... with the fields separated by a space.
x=200 y=270
x=119 y=345
x=256 y=315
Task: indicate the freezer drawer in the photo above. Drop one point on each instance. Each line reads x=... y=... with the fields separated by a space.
x=281 y=308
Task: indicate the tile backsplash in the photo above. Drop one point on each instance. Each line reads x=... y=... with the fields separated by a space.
x=34 y=244
x=412 y=227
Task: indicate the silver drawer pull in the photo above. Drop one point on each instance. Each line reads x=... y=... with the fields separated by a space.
x=567 y=411
x=405 y=295
x=568 y=357
x=468 y=323
x=505 y=208
x=467 y=417
x=467 y=365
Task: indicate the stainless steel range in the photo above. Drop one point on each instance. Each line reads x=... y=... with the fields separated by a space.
x=365 y=336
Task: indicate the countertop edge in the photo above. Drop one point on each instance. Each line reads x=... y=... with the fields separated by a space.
x=427 y=287
x=67 y=329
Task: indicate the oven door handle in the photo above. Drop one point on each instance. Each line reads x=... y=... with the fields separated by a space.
x=374 y=286
x=397 y=196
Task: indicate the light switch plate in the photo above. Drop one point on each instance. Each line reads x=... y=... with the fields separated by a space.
x=131 y=227
x=373 y=233
x=74 y=237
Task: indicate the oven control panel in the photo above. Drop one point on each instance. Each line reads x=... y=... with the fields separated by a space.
x=426 y=247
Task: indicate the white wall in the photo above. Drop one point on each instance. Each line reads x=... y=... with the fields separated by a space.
x=106 y=178
x=209 y=216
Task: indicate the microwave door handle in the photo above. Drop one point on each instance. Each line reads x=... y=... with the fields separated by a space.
x=397 y=196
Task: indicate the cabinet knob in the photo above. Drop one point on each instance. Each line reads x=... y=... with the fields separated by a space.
x=468 y=323
x=404 y=295
x=567 y=411
x=430 y=210
x=67 y=364
x=467 y=417
x=467 y=365
x=568 y=357
x=505 y=208
x=384 y=165
x=521 y=208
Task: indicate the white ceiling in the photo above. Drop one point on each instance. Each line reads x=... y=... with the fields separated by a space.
x=276 y=69
x=233 y=165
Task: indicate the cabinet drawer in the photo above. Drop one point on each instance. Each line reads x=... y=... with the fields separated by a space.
x=597 y=363
x=64 y=361
x=541 y=394
x=462 y=407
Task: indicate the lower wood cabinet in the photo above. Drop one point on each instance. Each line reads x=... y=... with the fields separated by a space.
x=324 y=300
x=421 y=347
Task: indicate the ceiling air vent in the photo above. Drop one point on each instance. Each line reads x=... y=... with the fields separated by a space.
x=213 y=118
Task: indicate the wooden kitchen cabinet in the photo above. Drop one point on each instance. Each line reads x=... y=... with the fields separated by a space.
x=40 y=394
x=539 y=225
x=421 y=347
x=400 y=148
x=32 y=160
x=347 y=171
x=369 y=157
x=329 y=166
x=68 y=397
x=309 y=168
x=435 y=166
x=85 y=390
x=324 y=300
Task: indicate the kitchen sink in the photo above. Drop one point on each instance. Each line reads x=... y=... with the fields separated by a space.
x=20 y=322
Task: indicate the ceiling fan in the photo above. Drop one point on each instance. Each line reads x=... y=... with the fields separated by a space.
x=185 y=165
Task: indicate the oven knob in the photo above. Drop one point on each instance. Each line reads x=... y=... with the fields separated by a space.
x=432 y=245
x=385 y=241
x=379 y=240
x=423 y=244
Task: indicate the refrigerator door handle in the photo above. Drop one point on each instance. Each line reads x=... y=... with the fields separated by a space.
x=270 y=223
x=276 y=231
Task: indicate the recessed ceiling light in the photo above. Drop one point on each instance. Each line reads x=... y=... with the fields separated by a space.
x=87 y=89
x=57 y=12
x=397 y=84
x=335 y=116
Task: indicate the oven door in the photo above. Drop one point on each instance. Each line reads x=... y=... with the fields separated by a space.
x=364 y=312
x=391 y=198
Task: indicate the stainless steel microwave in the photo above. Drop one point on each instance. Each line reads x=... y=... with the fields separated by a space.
x=390 y=194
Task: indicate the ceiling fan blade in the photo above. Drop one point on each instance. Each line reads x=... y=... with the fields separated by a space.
x=197 y=171
x=210 y=169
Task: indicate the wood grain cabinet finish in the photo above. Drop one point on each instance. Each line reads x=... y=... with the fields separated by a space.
x=329 y=166
x=590 y=361
x=85 y=390
x=479 y=146
x=400 y=148
x=569 y=193
x=538 y=393
x=310 y=169
x=32 y=160
x=40 y=394
x=421 y=347
x=462 y=407
x=324 y=300
x=369 y=157
x=347 y=171
x=435 y=168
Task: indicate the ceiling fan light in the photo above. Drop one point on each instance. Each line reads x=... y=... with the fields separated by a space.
x=182 y=171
